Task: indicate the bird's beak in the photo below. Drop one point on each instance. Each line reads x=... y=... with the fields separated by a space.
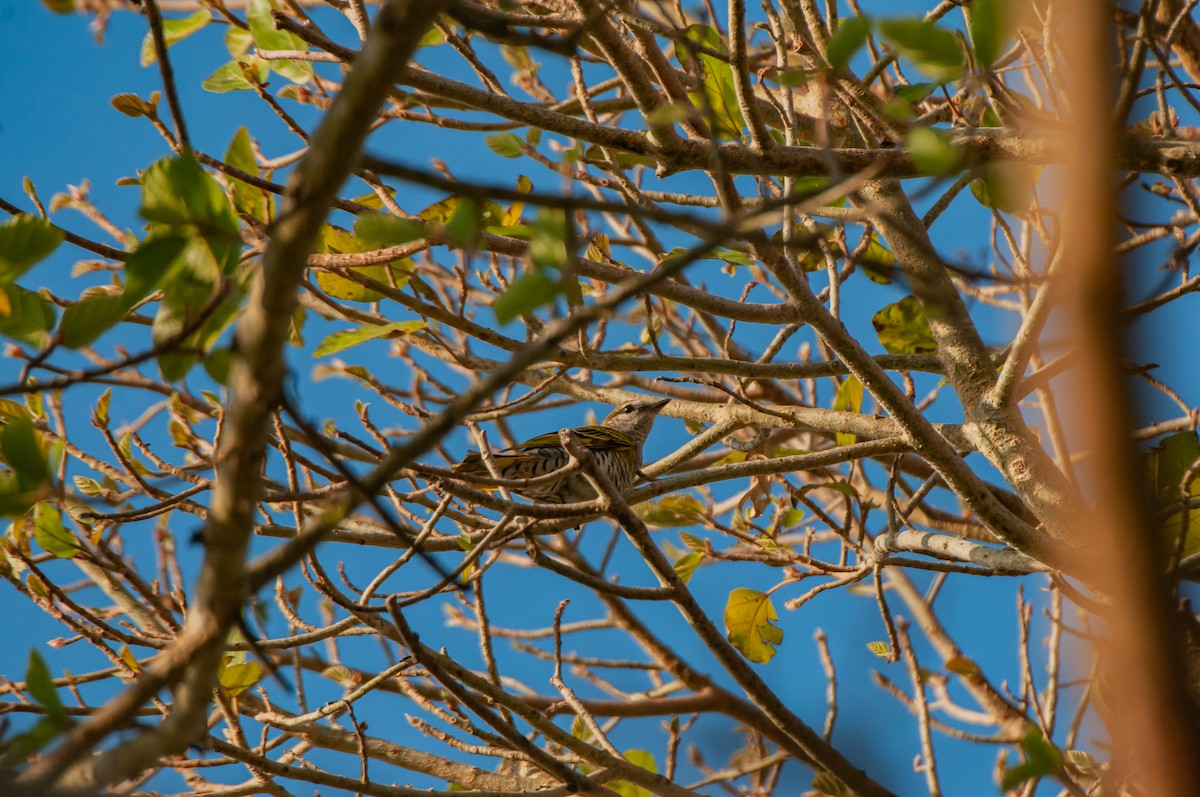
x=658 y=405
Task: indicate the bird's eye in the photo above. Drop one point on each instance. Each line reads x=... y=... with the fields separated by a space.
x=627 y=408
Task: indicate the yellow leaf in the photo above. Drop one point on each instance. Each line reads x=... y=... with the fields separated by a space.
x=237 y=674
x=130 y=660
x=962 y=665
x=849 y=399
x=686 y=565
x=748 y=617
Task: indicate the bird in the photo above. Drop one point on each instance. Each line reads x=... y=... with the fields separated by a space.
x=616 y=445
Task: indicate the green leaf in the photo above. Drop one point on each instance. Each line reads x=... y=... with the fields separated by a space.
x=988 y=28
x=155 y=261
x=432 y=38
x=903 y=328
x=89 y=318
x=340 y=341
x=881 y=649
x=1041 y=758
x=22 y=450
x=830 y=785
x=24 y=745
x=849 y=398
x=1170 y=461
x=25 y=240
x=267 y=37
x=182 y=301
x=677 y=509
x=525 y=294
x=506 y=145
x=25 y=316
x=40 y=684
x=733 y=257
x=914 y=92
x=50 y=533
x=1167 y=464
x=792 y=517
x=719 y=98
x=1007 y=186
x=748 y=617
x=849 y=38
x=668 y=114
x=685 y=566
x=247 y=198
x=934 y=50
x=177 y=191
x=381 y=230
x=233 y=76
x=217 y=364
x=548 y=239
x=932 y=152
x=639 y=758
x=463 y=225
x=174 y=30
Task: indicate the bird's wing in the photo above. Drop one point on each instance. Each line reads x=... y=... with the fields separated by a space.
x=473 y=464
x=596 y=438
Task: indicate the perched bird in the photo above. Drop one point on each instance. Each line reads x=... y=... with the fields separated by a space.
x=616 y=445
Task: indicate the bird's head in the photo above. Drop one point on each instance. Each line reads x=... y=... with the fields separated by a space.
x=634 y=418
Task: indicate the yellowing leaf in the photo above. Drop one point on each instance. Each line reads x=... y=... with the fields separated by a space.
x=881 y=649
x=719 y=97
x=342 y=675
x=685 y=566
x=903 y=328
x=748 y=617
x=130 y=660
x=237 y=674
x=639 y=758
x=849 y=398
x=335 y=240
x=340 y=341
x=962 y=665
